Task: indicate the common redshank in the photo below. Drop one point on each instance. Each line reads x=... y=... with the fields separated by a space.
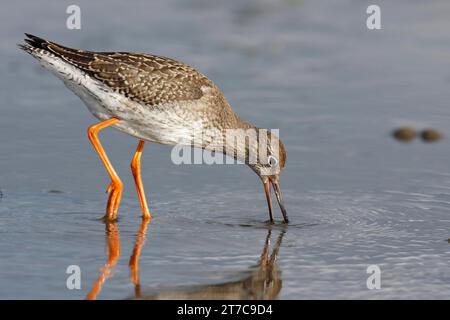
x=160 y=100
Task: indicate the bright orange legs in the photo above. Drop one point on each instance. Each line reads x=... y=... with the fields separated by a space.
x=116 y=186
x=136 y=170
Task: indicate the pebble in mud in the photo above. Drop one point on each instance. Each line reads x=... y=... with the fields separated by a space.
x=404 y=134
x=431 y=135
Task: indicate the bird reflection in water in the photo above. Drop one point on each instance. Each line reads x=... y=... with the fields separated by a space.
x=134 y=259
x=262 y=282
x=113 y=246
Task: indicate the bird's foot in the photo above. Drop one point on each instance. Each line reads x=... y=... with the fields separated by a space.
x=109 y=218
x=115 y=194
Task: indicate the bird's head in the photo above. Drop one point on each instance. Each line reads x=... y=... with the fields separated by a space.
x=269 y=165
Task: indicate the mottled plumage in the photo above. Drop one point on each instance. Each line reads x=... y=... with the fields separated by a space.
x=145 y=78
x=154 y=99
x=159 y=99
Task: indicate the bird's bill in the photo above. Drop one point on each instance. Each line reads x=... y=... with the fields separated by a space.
x=276 y=188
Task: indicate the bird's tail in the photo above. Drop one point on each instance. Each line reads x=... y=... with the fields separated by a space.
x=56 y=58
x=34 y=44
x=44 y=49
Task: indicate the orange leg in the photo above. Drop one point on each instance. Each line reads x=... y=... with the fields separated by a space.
x=136 y=170
x=116 y=185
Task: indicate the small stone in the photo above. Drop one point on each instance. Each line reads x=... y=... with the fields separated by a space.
x=55 y=191
x=431 y=135
x=404 y=134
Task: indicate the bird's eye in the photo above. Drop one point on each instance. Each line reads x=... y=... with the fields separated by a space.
x=272 y=161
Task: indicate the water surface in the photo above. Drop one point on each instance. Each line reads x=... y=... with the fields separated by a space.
x=311 y=68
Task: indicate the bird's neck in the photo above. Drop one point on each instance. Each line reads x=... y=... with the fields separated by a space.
x=237 y=139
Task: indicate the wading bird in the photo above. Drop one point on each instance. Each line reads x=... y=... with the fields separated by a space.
x=159 y=100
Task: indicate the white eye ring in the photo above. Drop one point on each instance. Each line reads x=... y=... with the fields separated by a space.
x=272 y=161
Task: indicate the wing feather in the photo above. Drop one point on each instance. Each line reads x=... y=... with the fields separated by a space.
x=148 y=79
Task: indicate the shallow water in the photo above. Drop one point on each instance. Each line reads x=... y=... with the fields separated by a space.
x=311 y=68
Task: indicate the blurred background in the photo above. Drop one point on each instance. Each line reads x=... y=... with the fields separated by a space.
x=336 y=90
